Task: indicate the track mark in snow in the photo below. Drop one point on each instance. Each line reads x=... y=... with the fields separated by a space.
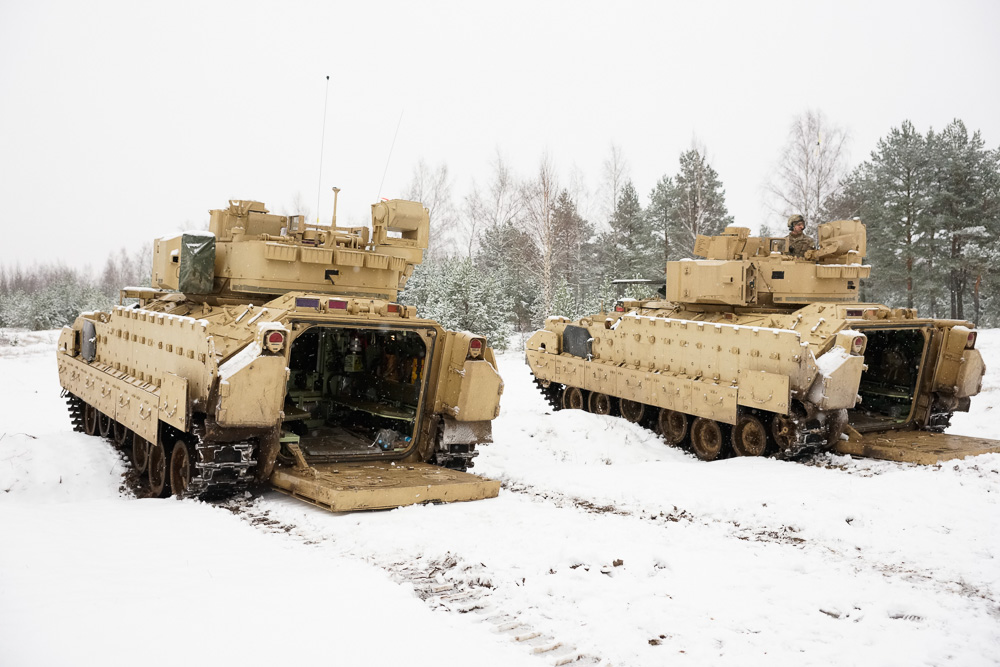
x=449 y=585
x=785 y=535
x=455 y=587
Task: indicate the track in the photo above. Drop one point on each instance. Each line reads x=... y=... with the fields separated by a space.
x=217 y=469
x=801 y=438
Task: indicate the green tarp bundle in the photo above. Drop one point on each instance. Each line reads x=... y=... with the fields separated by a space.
x=197 y=269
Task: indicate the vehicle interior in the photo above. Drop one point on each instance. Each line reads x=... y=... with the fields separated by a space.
x=889 y=385
x=353 y=392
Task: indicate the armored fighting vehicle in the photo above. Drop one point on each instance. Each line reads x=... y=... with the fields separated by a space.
x=273 y=351
x=753 y=351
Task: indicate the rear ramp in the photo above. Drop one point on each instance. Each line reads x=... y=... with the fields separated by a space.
x=346 y=487
x=920 y=447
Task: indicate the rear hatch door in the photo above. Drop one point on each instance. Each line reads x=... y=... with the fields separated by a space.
x=921 y=447
x=345 y=487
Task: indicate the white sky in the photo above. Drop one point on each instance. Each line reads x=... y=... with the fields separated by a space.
x=124 y=121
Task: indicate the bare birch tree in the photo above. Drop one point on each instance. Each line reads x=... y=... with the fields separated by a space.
x=539 y=197
x=500 y=203
x=615 y=174
x=298 y=206
x=811 y=167
x=432 y=188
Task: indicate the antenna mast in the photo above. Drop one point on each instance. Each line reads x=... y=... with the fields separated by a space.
x=390 y=155
x=322 y=141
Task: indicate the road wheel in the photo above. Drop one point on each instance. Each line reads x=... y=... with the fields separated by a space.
x=157 y=471
x=599 y=404
x=120 y=434
x=89 y=419
x=633 y=411
x=673 y=425
x=140 y=453
x=706 y=439
x=785 y=430
x=180 y=469
x=104 y=424
x=572 y=398
x=749 y=436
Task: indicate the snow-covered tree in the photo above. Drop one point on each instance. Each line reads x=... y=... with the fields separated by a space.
x=509 y=253
x=931 y=204
x=629 y=249
x=575 y=260
x=463 y=298
x=966 y=204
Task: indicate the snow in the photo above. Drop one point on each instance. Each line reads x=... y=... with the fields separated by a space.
x=240 y=360
x=832 y=360
x=624 y=550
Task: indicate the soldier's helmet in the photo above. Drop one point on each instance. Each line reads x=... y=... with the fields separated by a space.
x=796 y=218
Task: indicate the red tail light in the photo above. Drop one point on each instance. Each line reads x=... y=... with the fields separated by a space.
x=859 y=343
x=274 y=341
x=475 y=348
x=971 y=343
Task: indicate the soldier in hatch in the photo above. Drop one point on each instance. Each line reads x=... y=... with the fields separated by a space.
x=798 y=243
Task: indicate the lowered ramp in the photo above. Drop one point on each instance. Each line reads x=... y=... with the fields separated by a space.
x=921 y=447
x=346 y=487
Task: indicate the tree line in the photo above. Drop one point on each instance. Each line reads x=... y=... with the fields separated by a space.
x=519 y=247
x=527 y=251
x=49 y=296
x=930 y=201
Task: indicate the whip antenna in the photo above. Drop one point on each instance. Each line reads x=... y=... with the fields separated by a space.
x=384 y=171
x=322 y=141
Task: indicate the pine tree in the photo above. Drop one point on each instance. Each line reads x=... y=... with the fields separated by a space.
x=662 y=203
x=574 y=261
x=563 y=301
x=895 y=183
x=966 y=204
x=629 y=249
x=691 y=203
x=462 y=297
x=511 y=255
x=931 y=204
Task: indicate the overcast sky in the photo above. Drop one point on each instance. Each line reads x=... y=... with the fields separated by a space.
x=124 y=121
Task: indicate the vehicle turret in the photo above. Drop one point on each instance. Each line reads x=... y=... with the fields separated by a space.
x=249 y=253
x=744 y=271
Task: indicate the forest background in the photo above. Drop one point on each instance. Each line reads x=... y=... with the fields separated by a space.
x=509 y=252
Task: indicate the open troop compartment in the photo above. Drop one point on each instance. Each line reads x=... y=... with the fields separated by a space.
x=355 y=392
x=888 y=388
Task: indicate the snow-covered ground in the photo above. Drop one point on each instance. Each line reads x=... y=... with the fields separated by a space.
x=603 y=540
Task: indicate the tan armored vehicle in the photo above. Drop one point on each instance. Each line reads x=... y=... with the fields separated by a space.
x=753 y=351
x=273 y=351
